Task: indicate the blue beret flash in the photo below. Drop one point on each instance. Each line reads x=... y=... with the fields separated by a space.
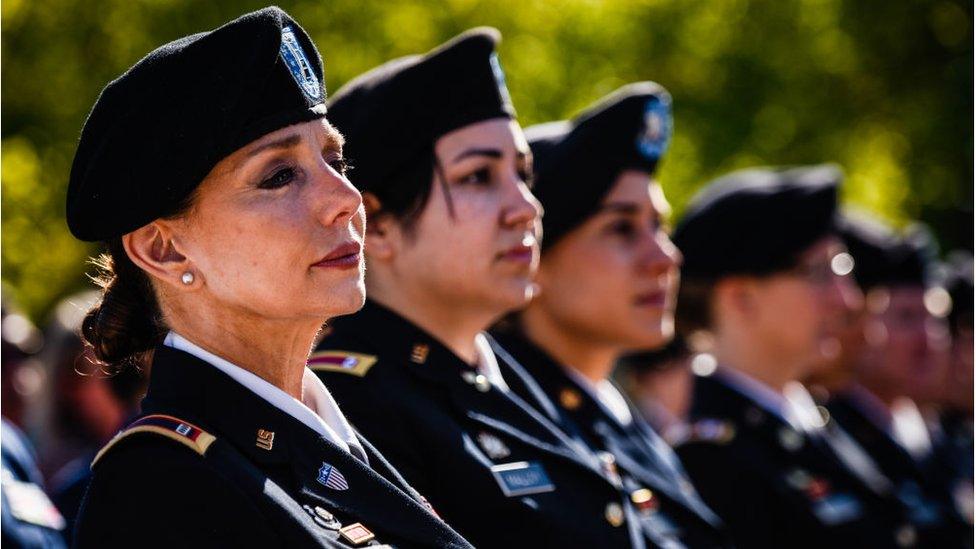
x=655 y=136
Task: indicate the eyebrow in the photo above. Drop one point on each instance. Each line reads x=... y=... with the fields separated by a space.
x=628 y=208
x=492 y=153
x=283 y=143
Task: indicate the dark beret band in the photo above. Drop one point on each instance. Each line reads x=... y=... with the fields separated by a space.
x=576 y=163
x=157 y=131
x=392 y=115
x=757 y=221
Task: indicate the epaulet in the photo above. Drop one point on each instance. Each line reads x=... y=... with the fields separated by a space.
x=346 y=362
x=715 y=431
x=170 y=427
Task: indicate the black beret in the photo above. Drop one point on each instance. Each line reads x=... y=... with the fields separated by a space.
x=392 y=115
x=757 y=221
x=156 y=131
x=871 y=243
x=959 y=283
x=577 y=162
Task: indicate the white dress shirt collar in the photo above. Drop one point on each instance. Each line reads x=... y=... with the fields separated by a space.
x=317 y=409
x=758 y=392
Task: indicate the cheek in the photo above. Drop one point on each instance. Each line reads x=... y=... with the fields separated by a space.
x=255 y=247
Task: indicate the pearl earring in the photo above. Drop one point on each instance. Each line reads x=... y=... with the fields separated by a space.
x=187 y=278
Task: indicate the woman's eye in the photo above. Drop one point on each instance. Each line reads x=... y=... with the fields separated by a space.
x=527 y=177
x=479 y=177
x=340 y=165
x=278 y=179
x=623 y=228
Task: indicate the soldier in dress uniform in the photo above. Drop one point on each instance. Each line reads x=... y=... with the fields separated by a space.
x=954 y=424
x=897 y=360
x=211 y=174
x=452 y=247
x=28 y=518
x=763 y=274
x=608 y=278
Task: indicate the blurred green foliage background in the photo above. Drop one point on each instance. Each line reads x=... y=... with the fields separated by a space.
x=883 y=87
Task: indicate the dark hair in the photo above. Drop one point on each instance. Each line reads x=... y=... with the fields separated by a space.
x=126 y=325
x=407 y=199
x=694 y=310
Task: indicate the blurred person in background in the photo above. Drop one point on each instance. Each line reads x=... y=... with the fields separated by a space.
x=880 y=258
x=28 y=518
x=216 y=182
x=765 y=276
x=953 y=425
x=902 y=361
x=89 y=405
x=608 y=279
x=451 y=247
x=660 y=382
x=23 y=376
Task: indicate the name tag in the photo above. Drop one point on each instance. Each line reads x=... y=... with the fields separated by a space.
x=837 y=509
x=522 y=478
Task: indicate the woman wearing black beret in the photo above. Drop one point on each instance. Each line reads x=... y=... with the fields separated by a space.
x=211 y=173
x=608 y=278
x=451 y=247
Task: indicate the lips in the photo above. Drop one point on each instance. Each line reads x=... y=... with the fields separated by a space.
x=523 y=252
x=520 y=254
x=653 y=298
x=345 y=256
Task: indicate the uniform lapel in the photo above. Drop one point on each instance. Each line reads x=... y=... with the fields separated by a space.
x=296 y=455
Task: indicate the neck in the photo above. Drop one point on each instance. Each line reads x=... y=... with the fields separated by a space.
x=751 y=359
x=274 y=350
x=453 y=324
x=593 y=359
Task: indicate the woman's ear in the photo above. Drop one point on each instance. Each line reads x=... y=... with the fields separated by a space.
x=736 y=295
x=153 y=249
x=381 y=230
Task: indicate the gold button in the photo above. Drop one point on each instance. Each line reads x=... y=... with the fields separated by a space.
x=906 y=536
x=614 y=514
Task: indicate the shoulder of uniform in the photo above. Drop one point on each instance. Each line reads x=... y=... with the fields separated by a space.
x=706 y=430
x=170 y=427
x=345 y=362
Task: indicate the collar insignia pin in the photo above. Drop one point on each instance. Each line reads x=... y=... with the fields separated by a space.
x=419 y=353
x=570 y=398
x=265 y=439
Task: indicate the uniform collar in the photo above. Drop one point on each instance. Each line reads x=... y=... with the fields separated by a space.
x=190 y=388
x=405 y=345
x=317 y=409
x=755 y=391
x=578 y=399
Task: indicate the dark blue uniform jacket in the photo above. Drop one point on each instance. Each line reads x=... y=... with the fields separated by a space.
x=152 y=488
x=670 y=509
x=775 y=487
x=491 y=465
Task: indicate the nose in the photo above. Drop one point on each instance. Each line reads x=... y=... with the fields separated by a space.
x=522 y=208
x=336 y=199
x=659 y=254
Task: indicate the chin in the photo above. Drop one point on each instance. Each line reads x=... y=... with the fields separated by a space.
x=515 y=294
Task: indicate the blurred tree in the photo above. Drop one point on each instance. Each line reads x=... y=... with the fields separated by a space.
x=883 y=88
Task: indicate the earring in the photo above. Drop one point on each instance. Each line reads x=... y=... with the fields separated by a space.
x=187 y=278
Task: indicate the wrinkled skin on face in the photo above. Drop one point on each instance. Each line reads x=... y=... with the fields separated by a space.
x=264 y=220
